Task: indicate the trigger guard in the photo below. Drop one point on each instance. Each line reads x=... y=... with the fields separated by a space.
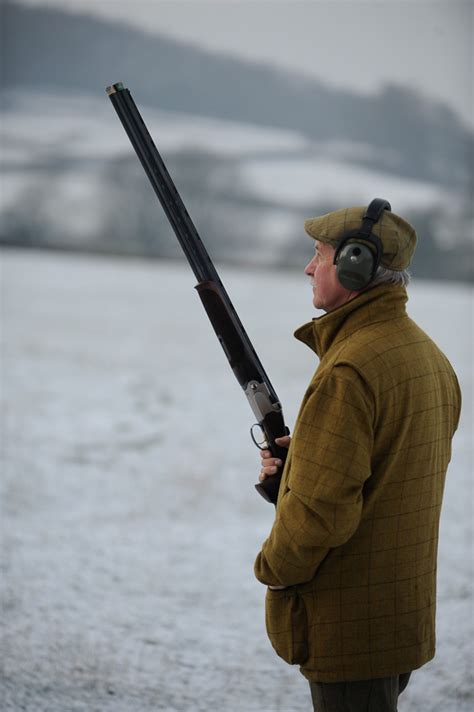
x=259 y=445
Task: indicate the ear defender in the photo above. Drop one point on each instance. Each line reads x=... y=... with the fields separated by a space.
x=358 y=252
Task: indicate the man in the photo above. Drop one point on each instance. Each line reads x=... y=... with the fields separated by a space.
x=350 y=562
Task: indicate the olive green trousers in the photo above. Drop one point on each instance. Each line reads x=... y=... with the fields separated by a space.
x=379 y=695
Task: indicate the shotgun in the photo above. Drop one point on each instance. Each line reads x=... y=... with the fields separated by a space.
x=237 y=346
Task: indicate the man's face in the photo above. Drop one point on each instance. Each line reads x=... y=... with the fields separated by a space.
x=328 y=292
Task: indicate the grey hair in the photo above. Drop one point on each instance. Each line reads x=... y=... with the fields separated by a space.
x=390 y=276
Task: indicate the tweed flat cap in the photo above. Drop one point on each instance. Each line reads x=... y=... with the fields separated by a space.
x=398 y=237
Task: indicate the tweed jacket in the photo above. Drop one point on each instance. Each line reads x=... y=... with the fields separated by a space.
x=355 y=535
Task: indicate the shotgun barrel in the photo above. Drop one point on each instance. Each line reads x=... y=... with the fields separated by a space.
x=229 y=330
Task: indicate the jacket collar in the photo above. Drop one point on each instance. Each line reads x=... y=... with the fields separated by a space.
x=381 y=303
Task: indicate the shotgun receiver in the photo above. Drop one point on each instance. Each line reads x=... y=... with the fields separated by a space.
x=229 y=330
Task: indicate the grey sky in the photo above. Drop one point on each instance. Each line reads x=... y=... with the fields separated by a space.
x=361 y=44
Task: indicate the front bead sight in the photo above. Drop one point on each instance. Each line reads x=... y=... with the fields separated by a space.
x=114 y=88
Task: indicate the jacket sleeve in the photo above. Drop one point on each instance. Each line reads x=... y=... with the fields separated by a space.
x=329 y=461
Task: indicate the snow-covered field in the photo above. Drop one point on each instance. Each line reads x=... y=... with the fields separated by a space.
x=129 y=519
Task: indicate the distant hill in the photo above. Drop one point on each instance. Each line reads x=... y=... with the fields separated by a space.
x=404 y=133
x=70 y=181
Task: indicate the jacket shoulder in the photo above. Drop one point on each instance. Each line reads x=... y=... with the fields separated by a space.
x=393 y=343
x=398 y=361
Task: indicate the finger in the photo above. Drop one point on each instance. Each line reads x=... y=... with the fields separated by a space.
x=265 y=453
x=268 y=471
x=284 y=441
x=271 y=462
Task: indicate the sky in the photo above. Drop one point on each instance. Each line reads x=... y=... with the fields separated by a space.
x=356 y=44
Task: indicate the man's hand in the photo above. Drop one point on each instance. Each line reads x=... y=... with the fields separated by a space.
x=270 y=464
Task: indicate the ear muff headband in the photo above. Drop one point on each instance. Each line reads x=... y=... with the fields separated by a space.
x=358 y=252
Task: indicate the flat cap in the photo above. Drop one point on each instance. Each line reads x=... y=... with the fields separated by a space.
x=398 y=237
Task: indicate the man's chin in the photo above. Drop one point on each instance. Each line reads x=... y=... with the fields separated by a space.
x=319 y=304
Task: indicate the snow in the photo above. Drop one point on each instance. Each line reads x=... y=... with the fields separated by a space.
x=129 y=519
x=87 y=126
x=300 y=181
x=75 y=136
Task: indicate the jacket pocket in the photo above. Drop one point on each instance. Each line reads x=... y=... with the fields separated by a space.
x=287 y=624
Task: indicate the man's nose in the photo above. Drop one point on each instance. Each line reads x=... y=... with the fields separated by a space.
x=309 y=269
